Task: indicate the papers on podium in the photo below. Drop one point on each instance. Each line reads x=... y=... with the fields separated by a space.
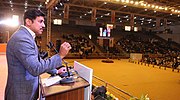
x=51 y=80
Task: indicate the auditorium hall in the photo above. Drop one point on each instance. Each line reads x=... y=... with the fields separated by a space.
x=126 y=49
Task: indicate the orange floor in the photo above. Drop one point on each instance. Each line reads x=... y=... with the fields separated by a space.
x=136 y=79
x=3 y=47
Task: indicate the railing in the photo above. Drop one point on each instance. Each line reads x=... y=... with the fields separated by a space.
x=160 y=66
x=119 y=93
x=98 y=55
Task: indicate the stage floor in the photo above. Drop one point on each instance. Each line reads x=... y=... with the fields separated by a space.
x=136 y=79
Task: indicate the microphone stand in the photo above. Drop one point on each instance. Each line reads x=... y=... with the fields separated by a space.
x=66 y=67
x=66 y=79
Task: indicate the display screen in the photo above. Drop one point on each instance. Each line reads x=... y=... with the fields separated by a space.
x=105 y=31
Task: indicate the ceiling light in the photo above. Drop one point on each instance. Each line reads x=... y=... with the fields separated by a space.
x=25 y=3
x=61 y=4
x=131 y=2
x=165 y=8
x=89 y=12
x=127 y=1
x=107 y=14
x=146 y=4
x=152 y=6
x=13 y=22
x=40 y=5
x=136 y=3
x=122 y=0
x=56 y=8
x=161 y=8
x=157 y=7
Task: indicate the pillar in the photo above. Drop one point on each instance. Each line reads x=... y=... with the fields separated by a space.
x=48 y=28
x=132 y=22
x=93 y=15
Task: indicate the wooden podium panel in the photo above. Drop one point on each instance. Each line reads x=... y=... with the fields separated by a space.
x=77 y=94
x=71 y=91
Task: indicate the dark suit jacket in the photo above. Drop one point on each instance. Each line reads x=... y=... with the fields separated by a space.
x=24 y=67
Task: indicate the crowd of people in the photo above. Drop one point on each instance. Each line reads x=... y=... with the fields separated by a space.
x=80 y=45
x=155 y=51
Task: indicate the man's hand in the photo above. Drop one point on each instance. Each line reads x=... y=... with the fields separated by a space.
x=62 y=70
x=64 y=49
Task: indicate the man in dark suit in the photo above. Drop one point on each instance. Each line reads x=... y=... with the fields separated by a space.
x=24 y=64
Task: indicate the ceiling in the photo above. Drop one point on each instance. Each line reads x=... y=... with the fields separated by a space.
x=81 y=10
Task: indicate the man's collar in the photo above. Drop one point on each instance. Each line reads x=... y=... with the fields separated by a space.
x=30 y=31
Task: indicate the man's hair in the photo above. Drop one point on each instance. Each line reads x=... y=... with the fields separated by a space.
x=32 y=14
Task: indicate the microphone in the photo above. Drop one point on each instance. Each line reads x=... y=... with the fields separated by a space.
x=51 y=46
x=67 y=76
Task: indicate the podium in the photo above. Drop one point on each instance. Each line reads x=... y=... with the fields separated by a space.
x=79 y=90
x=71 y=91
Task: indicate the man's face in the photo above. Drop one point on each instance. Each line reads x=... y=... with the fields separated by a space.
x=37 y=25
